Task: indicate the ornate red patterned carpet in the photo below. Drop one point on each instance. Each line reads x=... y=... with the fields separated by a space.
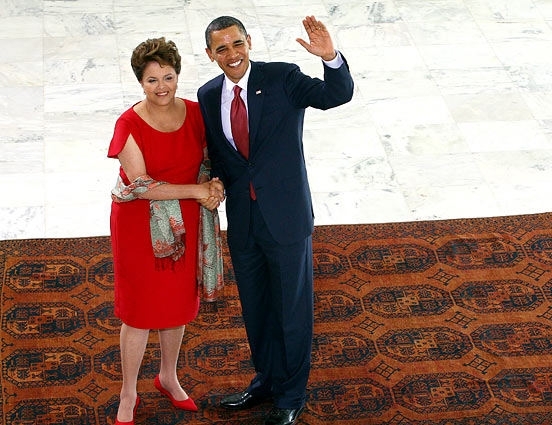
x=422 y=323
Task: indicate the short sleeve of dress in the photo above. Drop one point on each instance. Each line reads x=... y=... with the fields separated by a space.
x=123 y=128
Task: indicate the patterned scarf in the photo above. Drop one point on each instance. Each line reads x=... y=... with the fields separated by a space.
x=166 y=223
x=210 y=264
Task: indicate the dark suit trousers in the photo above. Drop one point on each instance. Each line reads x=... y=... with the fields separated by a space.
x=275 y=284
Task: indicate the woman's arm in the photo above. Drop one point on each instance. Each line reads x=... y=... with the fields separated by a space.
x=133 y=164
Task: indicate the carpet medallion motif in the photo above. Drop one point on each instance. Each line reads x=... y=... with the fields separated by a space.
x=444 y=322
x=499 y=296
x=421 y=300
x=480 y=252
x=424 y=344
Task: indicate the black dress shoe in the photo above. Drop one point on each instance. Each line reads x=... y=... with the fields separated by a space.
x=283 y=416
x=243 y=400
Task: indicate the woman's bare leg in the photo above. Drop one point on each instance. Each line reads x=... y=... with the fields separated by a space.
x=171 y=341
x=133 y=343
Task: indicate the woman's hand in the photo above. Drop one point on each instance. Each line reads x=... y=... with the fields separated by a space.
x=210 y=203
x=203 y=190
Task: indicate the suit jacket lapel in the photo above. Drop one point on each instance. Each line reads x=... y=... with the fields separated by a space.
x=255 y=98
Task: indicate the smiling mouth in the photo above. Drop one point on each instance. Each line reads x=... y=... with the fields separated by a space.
x=235 y=64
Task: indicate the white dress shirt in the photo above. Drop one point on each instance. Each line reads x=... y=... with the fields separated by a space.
x=226 y=102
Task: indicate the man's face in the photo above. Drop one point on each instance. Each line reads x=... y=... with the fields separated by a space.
x=230 y=50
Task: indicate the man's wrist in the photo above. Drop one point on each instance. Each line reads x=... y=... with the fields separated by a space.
x=335 y=62
x=329 y=58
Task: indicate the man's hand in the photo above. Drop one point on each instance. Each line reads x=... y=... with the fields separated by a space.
x=217 y=189
x=216 y=195
x=320 y=43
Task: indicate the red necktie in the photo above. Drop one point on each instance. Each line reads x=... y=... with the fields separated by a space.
x=238 y=122
x=240 y=131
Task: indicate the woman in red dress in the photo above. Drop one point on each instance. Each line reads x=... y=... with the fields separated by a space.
x=160 y=143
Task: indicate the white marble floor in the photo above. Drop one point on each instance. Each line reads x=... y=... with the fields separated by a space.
x=451 y=117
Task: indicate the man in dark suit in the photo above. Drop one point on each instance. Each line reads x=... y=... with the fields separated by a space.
x=268 y=201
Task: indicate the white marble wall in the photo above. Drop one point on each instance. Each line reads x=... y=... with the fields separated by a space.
x=452 y=114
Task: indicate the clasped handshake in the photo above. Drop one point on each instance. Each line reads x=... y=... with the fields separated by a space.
x=212 y=194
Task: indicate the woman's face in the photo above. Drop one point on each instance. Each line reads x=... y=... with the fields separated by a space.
x=159 y=83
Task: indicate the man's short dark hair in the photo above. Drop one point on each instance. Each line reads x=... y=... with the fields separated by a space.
x=220 y=23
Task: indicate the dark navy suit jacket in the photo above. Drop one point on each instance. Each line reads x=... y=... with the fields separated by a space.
x=277 y=95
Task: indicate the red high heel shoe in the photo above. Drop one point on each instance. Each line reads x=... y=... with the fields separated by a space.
x=187 y=404
x=118 y=422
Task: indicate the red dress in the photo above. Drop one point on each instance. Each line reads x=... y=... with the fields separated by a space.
x=149 y=296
